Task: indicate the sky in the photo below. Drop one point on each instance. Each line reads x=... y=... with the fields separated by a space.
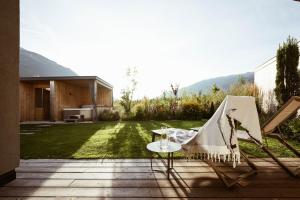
x=168 y=41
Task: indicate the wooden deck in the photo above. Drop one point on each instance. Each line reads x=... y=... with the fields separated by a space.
x=133 y=178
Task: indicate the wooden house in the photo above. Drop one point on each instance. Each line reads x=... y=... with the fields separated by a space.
x=50 y=98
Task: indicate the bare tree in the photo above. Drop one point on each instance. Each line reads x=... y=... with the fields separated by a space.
x=127 y=93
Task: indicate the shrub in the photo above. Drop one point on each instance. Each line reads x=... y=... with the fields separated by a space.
x=161 y=111
x=205 y=103
x=140 y=113
x=243 y=88
x=109 y=115
x=190 y=110
x=291 y=129
x=141 y=110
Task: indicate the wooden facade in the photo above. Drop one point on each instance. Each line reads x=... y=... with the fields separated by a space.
x=104 y=96
x=44 y=98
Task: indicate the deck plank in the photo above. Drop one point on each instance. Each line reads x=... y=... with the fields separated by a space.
x=148 y=192
x=60 y=163
x=133 y=178
x=198 y=169
x=147 y=164
x=138 y=160
x=197 y=183
x=122 y=198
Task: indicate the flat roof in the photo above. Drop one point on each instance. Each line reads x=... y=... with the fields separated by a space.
x=268 y=62
x=53 y=78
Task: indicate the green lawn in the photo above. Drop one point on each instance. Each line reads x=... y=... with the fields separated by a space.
x=107 y=140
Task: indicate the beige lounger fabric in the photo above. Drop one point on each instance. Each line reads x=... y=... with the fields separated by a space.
x=215 y=140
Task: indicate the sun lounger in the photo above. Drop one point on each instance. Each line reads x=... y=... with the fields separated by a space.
x=216 y=140
x=271 y=128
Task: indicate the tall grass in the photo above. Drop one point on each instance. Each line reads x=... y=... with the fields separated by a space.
x=187 y=107
x=202 y=106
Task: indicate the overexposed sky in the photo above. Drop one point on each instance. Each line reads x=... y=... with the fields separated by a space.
x=168 y=41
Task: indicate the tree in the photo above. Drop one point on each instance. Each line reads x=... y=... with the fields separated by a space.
x=287 y=78
x=127 y=93
x=175 y=88
x=215 y=88
x=126 y=101
x=174 y=105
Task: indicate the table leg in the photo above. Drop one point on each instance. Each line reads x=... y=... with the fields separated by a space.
x=172 y=158
x=153 y=137
x=168 y=169
x=151 y=161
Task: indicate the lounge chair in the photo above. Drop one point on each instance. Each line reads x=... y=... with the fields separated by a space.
x=269 y=130
x=217 y=139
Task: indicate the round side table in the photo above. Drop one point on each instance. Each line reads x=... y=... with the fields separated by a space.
x=171 y=148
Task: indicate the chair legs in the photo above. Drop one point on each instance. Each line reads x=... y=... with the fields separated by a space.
x=296 y=173
x=241 y=179
x=292 y=173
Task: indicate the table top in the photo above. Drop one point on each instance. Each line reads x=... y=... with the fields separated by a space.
x=159 y=131
x=155 y=147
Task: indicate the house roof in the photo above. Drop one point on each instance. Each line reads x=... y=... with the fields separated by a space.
x=53 y=78
x=270 y=61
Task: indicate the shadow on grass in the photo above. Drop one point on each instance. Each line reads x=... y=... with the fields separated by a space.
x=127 y=139
x=131 y=140
x=59 y=141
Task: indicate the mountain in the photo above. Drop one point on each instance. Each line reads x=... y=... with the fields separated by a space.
x=222 y=82
x=33 y=64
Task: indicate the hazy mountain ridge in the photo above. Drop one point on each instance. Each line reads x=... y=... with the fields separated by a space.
x=33 y=64
x=223 y=82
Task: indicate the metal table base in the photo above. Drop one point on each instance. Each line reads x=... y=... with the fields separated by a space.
x=170 y=161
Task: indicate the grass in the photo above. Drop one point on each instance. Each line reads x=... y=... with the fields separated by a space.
x=108 y=140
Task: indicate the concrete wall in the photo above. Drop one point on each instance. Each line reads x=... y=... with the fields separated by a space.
x=264 y=78
x=9 y=88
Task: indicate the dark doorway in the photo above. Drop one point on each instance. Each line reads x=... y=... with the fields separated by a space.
x=42 y=104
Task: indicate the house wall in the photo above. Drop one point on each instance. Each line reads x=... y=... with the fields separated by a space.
x=264 y=78
x=104 y=97
x=63 y=95
x=27 y=98
x=9 y=89
x=26 y=102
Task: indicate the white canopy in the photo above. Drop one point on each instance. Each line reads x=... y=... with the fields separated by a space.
x=217 y=137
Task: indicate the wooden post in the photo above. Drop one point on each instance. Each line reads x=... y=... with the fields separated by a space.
x=112 y=98
x=52 y=101
x=94 y=98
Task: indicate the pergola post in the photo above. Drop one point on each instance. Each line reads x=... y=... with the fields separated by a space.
x=94 y=98
x=112 y=98
x=52 y=100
